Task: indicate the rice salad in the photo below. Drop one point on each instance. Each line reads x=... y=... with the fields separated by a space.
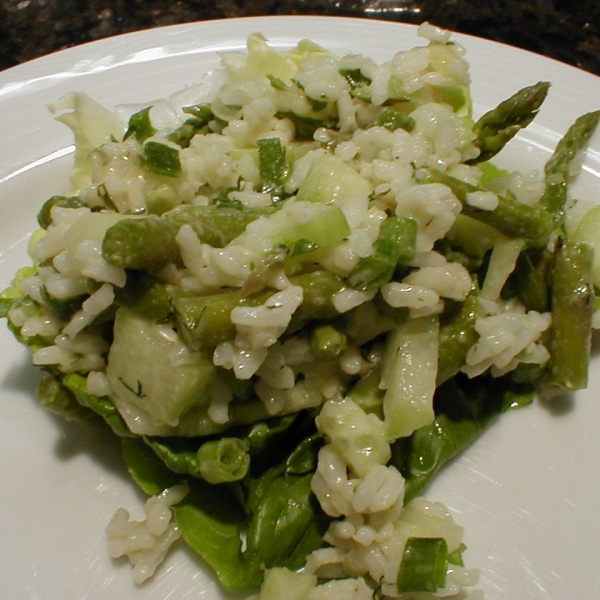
x=294 y=292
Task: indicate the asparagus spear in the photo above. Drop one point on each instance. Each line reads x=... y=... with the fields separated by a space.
x=572 y=308
x=327 y=342
x=149 y=244
x=530 y=279
x=144 y=244
x=457 y=335
x=204 y=321
x=499 y=125
x=217 y=225
x=145 y=295
x=512 y=218
x=558 y=168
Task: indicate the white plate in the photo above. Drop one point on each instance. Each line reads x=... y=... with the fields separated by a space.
x=527 y=492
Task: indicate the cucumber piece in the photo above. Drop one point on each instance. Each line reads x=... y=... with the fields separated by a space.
x=588 y=231
x=91 y=226
x=283 y=583
x=330 y=178
x=325 y=228
x=153 y=377
x=408 y=375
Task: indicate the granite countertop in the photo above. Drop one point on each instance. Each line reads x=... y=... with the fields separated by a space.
x=568 y=31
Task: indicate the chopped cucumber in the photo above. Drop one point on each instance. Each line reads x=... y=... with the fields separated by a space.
x=153 y=377
x=330 y=178
x=89 y=227
x=588 y=231
x=283 y=583
x=408 y=375
x=325 y=228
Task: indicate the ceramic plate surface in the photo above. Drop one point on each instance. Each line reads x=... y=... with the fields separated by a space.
x=527 y=492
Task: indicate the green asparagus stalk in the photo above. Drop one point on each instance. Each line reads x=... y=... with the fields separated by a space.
x=217 y=225
x=457 y=335
x=204 y=321
x=319 y=287
x=572 y=308
x=558 y=169
x=145 y=295
x=327 y=342
x=150 y=243
x=499 y=125
x=144 y=244
x=512 y=218
x=530 y=279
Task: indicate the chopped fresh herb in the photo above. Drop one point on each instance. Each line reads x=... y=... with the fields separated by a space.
x=393 y=119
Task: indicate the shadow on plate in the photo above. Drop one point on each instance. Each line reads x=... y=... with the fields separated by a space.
x=73 y=437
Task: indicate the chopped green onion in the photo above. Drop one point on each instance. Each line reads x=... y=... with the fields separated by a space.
x=358 y=82
x=424 y=565
x=161 y=159
x=140 y=126
x=45 y=215
x=272 y=165
x=197 y=123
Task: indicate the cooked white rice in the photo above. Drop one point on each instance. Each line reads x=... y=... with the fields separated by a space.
x=146 y=543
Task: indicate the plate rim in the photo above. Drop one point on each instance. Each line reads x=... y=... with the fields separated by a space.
x=150 y=33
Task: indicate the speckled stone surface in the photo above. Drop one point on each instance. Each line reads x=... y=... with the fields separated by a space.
x=568 y=31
